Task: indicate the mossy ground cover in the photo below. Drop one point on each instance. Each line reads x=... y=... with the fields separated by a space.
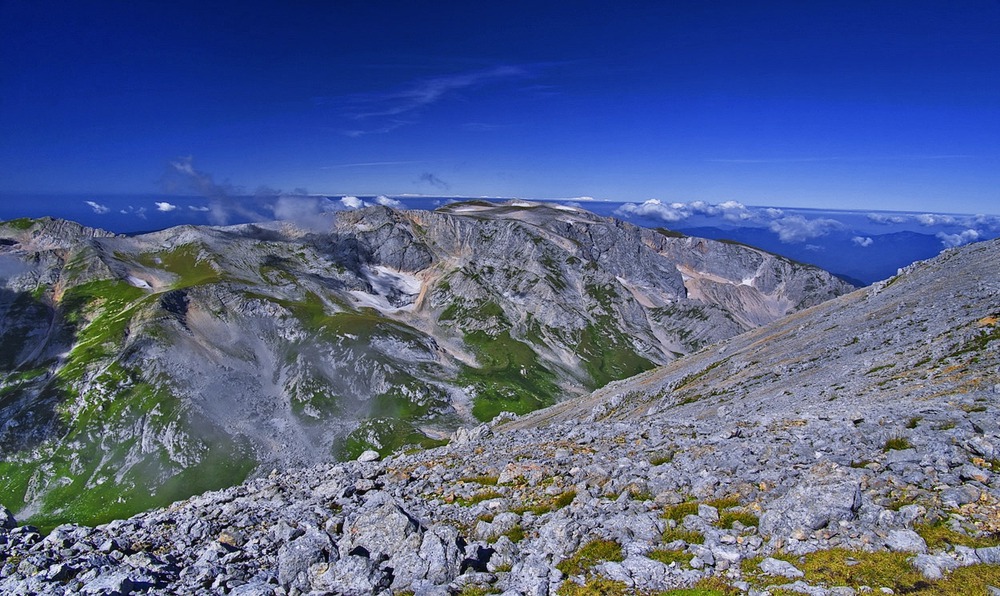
x=589 y=555
x=93 y=466
x=876 y=570
x=100 y=471
x=186 y=262
x=607 y=353
x=510 y=376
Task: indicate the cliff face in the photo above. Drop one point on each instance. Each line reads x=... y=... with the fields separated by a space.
x=146 y=368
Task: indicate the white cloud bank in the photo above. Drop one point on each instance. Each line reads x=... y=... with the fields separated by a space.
x=953 y=240
x=863 y=241
x=352 y=202
x=796 y=228
x=674 y=212
x=165 y=207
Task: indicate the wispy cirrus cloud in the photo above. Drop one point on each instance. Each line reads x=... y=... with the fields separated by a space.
x=861 y=158
x=383 y=112
x=368 y=164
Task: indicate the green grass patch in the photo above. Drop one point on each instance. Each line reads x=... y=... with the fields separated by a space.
x=681 y=558
x=709 y=586
x=510 y=376
x=187 y=262
x=515 y=534
x=564 y=499
x=939 y=535
x=679 y=533
x=101 y=470
x=595 y=586
x=479 y=497
x=679 y=511
x=662 y=458
x=896 y=444
x=384 y=435
x=483 y=480
x=727 y=519
x=724 y=503
x=21 y=223
x=841 y=567
x=589 y=555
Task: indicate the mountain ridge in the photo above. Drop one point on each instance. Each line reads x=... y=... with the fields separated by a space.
x=161 y=361
x=848 y=448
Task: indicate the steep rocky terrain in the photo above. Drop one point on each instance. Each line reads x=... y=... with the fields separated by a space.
x=850 y=448
x=140 y=370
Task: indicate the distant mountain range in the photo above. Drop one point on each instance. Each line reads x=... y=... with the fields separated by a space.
x=873 y=258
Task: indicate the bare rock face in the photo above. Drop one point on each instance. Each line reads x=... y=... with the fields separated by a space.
x=208 y=353
x=829 y=494
x=852 y=433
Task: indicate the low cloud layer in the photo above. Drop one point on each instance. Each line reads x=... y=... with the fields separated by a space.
x=795 y=228
x=305 y=211
x=963 y=237
x=733 y=211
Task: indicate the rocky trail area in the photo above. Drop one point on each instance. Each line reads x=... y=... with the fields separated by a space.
x=851 y=448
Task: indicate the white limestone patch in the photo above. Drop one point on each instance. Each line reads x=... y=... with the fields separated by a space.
x=395 y=291
x=139 y=283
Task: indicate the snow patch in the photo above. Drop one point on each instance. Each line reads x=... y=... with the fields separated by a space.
x=394 y=290
x=139 y=283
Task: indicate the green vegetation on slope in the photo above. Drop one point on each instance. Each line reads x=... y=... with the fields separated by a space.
x=510 y=377
x=98 y=463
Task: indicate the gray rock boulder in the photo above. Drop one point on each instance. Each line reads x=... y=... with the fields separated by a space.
x=905 y=541
x=777 y=567
x=829 y=494
x=296 y=557
x=7 y=521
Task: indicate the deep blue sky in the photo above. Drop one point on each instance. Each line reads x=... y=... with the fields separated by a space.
x=841 y=104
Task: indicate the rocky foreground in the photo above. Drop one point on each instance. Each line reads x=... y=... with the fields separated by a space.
x=851 y=448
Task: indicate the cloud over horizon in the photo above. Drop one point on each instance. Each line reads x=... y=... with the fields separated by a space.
x=963 y=237
x=796 y=228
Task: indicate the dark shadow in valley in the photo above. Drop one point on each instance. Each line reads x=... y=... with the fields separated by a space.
x=32 y=335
